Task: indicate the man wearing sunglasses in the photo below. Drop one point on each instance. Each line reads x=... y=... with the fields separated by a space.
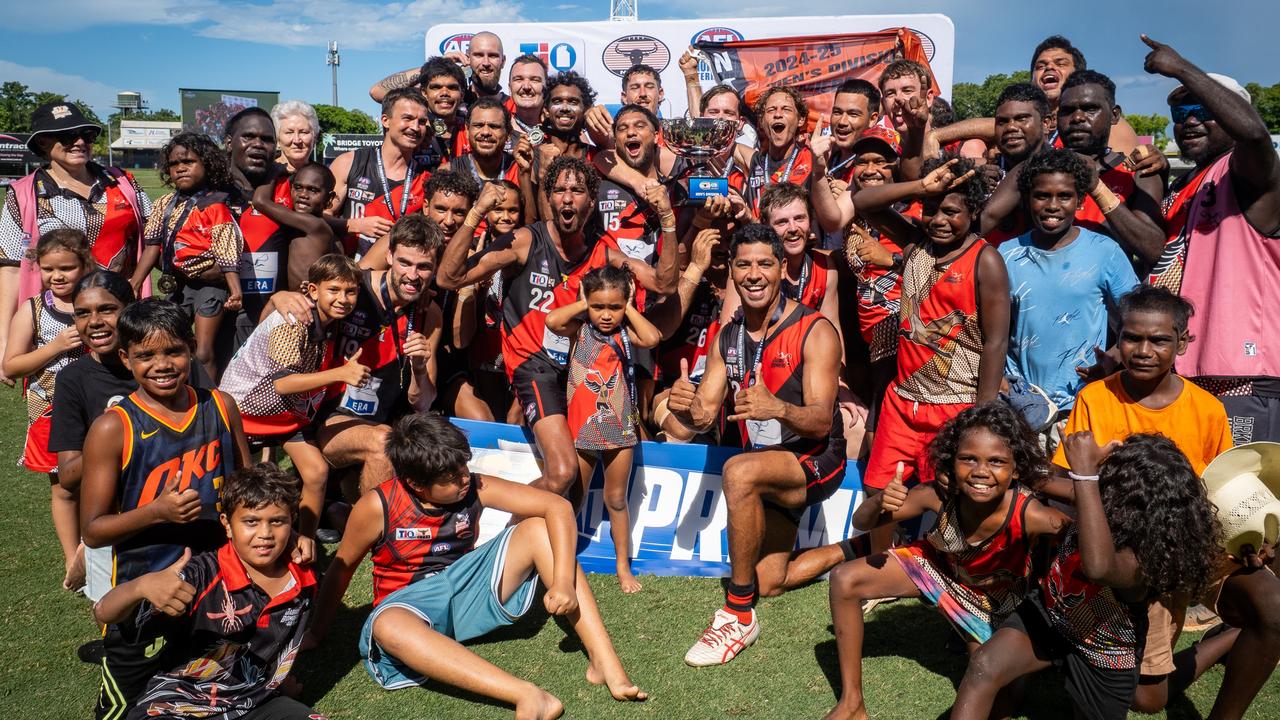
x=1223 y=223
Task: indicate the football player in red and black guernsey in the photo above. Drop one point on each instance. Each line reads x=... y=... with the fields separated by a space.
x=442 y=84
x=526 y=79
x=856 y=107
x=783 y=156
x=436 y=587
x=782 y=361
x=488 y=129
x=394 y=330
x=367 y=177
x=568 y=98
x=542 y=265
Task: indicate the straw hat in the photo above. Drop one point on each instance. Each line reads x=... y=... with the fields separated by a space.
x=1244 y=482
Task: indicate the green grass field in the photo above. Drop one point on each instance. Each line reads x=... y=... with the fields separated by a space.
x=790 y=673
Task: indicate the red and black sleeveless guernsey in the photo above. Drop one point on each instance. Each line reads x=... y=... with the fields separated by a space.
x=198 y=453
x=546 y=281
x=368 y=188
x=940 y=334
x=264 y=264
x=417 y=540
x=378 y=332
x=782 y=371
x=811 y=287
x=692 y=340
x=794 y=168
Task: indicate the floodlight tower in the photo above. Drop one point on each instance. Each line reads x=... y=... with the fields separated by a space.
x=624 y=10
x=333 y=61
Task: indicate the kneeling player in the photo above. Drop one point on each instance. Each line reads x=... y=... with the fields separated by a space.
x=433 y=588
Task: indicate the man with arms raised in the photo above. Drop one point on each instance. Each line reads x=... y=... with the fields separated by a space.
x=782 y=157
x=484 y=59
x=542 y=265
x=782 y=361
x=372 y=174
x=856 y=107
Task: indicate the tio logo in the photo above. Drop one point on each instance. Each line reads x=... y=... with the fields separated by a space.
x=560 y=57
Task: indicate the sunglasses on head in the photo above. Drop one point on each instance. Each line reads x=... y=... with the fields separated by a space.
x=69 y=137
x=1180 y=113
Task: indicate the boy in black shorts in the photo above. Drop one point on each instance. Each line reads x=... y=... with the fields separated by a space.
x=152 y=468
x=230 y=620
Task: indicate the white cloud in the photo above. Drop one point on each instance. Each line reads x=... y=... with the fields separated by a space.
x=291 y=23
x=43 y=79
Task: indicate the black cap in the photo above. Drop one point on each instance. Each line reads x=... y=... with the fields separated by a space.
x=54 y=117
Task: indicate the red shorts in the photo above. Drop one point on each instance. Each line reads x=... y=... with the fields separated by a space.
x=36 y=456
x=904 y=430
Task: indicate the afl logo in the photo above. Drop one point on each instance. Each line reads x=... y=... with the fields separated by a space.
x=621 y=54
x=456 y=43
x=716 y=35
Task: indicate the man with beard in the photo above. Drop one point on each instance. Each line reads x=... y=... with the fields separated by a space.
x=781 y=360
x=568 y=98
x=527 y=77
x=1023 y=122
x=1223 y=219
x=1121 y=203
x=484 y=60
x=488 y=129
x=542 y=265
x=394 y=330
x=250 y=137
x=855 y=108
x=780 y=113
x=1052 y=64
x=370 y=177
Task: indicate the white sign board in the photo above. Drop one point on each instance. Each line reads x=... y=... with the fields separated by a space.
x=603 y=50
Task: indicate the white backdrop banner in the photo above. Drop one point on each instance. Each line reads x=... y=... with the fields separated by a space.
x=603 y=50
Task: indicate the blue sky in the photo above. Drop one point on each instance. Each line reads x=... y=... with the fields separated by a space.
x=93 y=48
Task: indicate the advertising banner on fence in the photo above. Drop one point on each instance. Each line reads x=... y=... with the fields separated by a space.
x=677 y=510
x=815 y=65
x=602 y=51
x=207 y=111
x=13 y=149
x=335 y=144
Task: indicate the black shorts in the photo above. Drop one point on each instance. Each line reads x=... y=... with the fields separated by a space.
x=823 y=467
x=1252 y=417
x=1099 y=693
x=541 y=389
x=881 y=374
x=282 y=708
x=200 y=298
x=127 y=667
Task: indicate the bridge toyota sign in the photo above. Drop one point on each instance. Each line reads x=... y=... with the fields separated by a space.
x=602 y=51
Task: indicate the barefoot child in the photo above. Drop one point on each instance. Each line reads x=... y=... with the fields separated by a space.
x=152 y=468
x=1145 y=527
x=602 y=392
x=279 y=376
x=975 y=563
x=42 y=341
x=198 y=239
x=229 y=622
x=433 y=588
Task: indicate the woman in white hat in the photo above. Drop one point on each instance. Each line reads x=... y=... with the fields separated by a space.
x=68 y=190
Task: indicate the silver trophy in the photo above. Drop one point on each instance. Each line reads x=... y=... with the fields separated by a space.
x=699 y=140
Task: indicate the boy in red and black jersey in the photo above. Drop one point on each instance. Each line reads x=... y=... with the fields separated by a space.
x=542 y=265
x=781 y=360
x=434 y=588
x=153 y=466
x=226 y=624
x=394 y=330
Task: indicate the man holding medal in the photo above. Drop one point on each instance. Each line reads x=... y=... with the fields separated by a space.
x=782 y=361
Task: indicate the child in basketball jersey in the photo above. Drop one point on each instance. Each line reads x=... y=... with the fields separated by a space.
x=196 y=238
x=42 y=341
x=975 y=564
x=231 y=620
x=279 y=376
x=153 y=465
x=1145 y=527
x=603 y=414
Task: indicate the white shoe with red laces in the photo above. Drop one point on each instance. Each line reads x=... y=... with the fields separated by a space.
x=723 y=640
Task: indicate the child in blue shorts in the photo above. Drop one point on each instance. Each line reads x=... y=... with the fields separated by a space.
x=433 y=588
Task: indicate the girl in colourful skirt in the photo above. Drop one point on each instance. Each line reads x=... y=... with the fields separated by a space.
x=975 y=563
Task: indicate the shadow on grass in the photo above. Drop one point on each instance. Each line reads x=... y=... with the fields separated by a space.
x=912 y=630
x=323 y=668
